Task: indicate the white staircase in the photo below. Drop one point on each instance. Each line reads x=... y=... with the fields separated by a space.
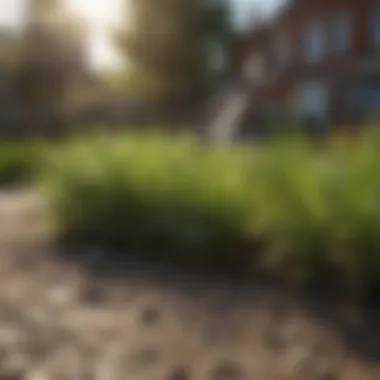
x=231 y=108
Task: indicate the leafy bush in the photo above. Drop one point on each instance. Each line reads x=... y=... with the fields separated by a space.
x=291 y=208
x=18 y=161
x=177 y=197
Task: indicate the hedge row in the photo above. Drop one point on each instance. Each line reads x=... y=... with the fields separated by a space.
x=289 y=209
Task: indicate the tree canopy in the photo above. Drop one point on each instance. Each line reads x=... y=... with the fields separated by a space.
x=52 y=57
x=179 y=45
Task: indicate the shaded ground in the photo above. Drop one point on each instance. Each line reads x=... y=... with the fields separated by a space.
x=82 y=319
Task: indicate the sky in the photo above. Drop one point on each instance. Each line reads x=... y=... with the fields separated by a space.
x=102 y=15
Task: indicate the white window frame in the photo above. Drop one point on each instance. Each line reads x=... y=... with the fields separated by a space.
x=376 y=26
x=342 y=32
x=315 y=42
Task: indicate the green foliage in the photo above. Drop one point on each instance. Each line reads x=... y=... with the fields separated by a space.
x=9 y=52
x=148 y=192
x=175 y=42
x=50 y=63
x=19 y=161
x=290 y=208
x=139 y=83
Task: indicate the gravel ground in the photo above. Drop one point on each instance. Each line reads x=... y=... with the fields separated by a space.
x=60 y=320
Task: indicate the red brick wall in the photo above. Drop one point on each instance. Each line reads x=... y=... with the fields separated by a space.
x=292 y=23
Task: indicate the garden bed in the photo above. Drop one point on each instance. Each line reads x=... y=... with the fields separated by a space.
x=291 y=210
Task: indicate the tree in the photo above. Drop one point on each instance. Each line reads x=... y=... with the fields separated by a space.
x=53 y=57
x=9 y=50
x=176 y=42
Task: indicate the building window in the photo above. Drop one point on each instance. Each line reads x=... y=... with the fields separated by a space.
x=341 y=33
x=254 y=67
x=283 y=50
x=217 y=57
x=376 y=26
x=315 y=42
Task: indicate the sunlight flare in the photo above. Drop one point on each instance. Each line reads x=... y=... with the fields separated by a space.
x=102 y=17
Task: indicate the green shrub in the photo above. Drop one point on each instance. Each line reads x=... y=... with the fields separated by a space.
x=178 y=198
x=293 y=209
x=18 y=161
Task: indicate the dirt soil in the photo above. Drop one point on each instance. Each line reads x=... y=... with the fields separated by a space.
x=102 y=319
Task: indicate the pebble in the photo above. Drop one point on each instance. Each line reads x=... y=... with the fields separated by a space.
x=150 y=315
x=227 y=370
x=179 y=373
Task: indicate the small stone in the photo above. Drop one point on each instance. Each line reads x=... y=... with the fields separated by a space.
x=150 y=315
x=274 y=341
x=327 y=376
x=61 y=295
x=148 y=356
x=300 y=361
x=37 y=316
x=37 y=375
x=92 y=295
x=179 y=373
x=12 y=375
x=227 y=371
x=10 y=336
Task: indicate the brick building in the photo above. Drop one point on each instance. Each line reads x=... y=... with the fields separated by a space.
x=316 y=59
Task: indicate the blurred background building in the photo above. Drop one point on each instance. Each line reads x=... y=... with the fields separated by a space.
x=318 y=61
